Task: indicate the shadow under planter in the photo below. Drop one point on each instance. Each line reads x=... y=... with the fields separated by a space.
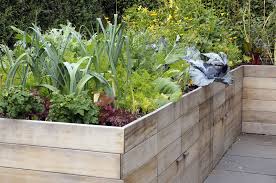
x=180 y=142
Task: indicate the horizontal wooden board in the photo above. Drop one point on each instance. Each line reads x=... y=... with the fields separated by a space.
x=259 y=94
x=168 y=135
x=166 y=157
x=262 y=71
x=60 y=160
x=139 y=156
x=259 y=128
x=259 y=116
x=259 y=105
x=145 y=174
x=62 y=135
x=140 y=131
x=263 y=83
x=12 y=175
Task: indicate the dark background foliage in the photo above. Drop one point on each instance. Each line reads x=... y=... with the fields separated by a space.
x=51 y=13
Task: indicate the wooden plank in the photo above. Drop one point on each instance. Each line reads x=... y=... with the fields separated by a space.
x=176 y=171
x=145 y=174
x=168 y=135
x=139 y=156
x=11 y=175
x=189 y=120
x=60 y=160
x=259 y=116
x=248 y=165
x=261 y=71
x=62 y=135
x=262 y=83
x=190 y=137
x=165 y=116
x=191 y=173
x=139 y=131
x=229 y=91
x=259 y=128
x=187 y=103
x=205 y=108
x=218 y=99
x=252 y=150
x=237 y=72
x=259 y=94
x=166 y=157
x=259 y=105
x=220 y=176
x=265 y=140
x=218 y=143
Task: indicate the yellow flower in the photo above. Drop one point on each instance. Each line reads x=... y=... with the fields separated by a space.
x=171 y=3
x=139 y=8
x=169 y=18
x=153 y=14
x=145 y=10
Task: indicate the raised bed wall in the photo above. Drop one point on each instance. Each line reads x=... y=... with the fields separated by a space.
x=259 y=100
x=180 y=142
x=183 y=141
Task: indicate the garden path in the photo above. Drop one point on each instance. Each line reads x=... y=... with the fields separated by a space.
x=251 y=159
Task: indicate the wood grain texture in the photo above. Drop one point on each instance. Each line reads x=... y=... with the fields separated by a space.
x=261 y=71
x=259 y=94
x=145 y=174
x=138 y=132
x=12 y=175
x=259 y=128
x=139 y=156
x=60 y=160
x=261 y=83
x=189 y=120
x=168 y=135
x=259 y=105
x=166 y=157
x=62 y=135
x=259 y=116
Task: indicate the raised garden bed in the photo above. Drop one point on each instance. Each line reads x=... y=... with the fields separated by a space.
x=259 y=100
x=180 y=141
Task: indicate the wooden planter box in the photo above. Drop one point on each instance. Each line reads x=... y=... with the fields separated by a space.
x=259 y=100
x=180 y=142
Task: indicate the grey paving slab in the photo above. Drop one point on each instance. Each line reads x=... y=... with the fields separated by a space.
x=248 y=164
x=251 y=159
x=220 y=176
x=252 y=150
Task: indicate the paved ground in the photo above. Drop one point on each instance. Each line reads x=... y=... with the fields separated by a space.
x=252 y=159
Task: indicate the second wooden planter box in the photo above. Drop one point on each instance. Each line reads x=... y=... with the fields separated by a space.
x=180 y=142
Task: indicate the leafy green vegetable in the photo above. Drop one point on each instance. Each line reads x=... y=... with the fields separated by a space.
x=73 y=109
x=19 y=104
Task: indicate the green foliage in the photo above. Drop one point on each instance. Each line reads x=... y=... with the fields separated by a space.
x=73 y=109
x=47 y=14
x=139 y=94
x=195 y=24
x=169 y=88
x=253 y=25
x=19 y=104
